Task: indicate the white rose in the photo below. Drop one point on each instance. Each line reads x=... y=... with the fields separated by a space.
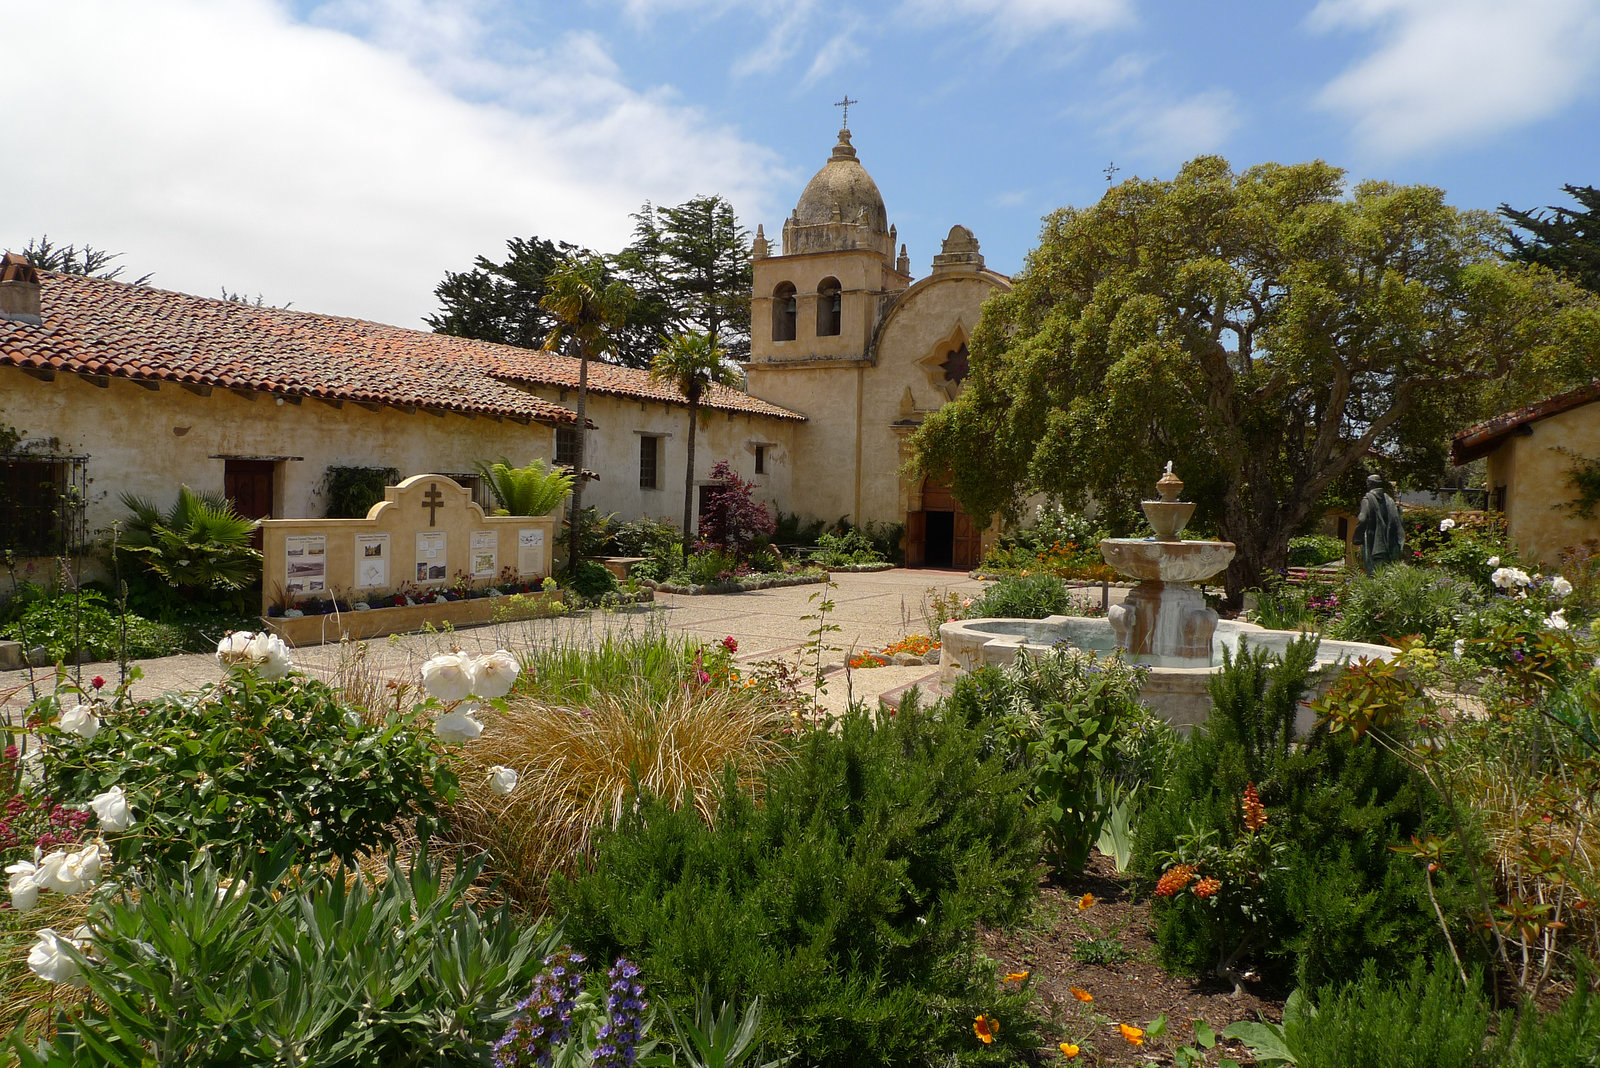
x=1556 y=620
x=55 y=874
x=270 y=656
x=112 y=808
x=1493 y=561
x=49 y=961
x=1446 y=525
x=87 y=863
x=81 y=720
x=456 y=727
x=234 y=647
x=1560 y=586
x=22 y=886
x=495 y=674
x=502 y=780
x=1520 y=577
x=449 y=676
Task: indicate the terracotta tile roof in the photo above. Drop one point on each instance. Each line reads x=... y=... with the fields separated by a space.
x=104 y=328
x=1485 y=437
x=549 y=369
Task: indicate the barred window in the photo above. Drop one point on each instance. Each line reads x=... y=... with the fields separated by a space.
x=649 y=452
x=567 y=446
x=41 y=503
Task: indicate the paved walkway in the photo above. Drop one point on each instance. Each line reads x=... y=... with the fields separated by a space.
x=871 y=610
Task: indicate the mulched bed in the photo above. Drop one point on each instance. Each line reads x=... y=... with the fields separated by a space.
x=1107 y=950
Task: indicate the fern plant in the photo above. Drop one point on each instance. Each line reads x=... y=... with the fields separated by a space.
x=531 y=490
x=201 y=543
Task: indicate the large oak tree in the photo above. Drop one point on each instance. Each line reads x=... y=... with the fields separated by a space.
x=1269 y=333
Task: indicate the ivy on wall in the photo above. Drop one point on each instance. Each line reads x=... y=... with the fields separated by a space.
x=352 y=491
x=1584 y=478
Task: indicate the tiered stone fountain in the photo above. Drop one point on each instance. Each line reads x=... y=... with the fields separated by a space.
x=1163 y=622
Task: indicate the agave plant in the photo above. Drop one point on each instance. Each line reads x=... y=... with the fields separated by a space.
x=531 y=490
x=201 y=543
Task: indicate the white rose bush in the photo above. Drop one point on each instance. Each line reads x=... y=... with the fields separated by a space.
x=457 y=685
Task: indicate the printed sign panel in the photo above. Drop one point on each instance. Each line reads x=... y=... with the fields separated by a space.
x=530 y=551
x=485 y=553
x=305 y=563
x=431 y=565
x=372 y=560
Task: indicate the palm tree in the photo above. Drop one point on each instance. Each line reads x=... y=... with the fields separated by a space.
x=200 y=544
x=589 y=307
x=693 y=363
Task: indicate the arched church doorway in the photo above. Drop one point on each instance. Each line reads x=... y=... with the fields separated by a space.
x=941 y=534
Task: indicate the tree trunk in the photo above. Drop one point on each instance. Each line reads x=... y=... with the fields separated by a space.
x=688 y=478
x=575 y=516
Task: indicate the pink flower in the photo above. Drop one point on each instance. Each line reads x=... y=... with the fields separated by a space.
x=730 y=644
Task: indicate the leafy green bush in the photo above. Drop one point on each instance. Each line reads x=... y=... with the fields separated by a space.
x=1402 y=600
x=1313 y=550
x=200 y=970
x=847 y=900
x=644 y=537
x=530 y=490
x=68 y=623
x=352 y=491
x=1569 y=1037
x=592 y=580
x=1383 y=1021
x=199 y=545
x=791 y=529
x=1334 y=894
x=710 y=566
x=243 y=763
x=843 y=550
x=1024 y=597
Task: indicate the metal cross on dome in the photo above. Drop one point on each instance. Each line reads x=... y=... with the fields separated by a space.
x=845 y=103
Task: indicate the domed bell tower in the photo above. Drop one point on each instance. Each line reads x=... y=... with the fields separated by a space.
x=820 y=299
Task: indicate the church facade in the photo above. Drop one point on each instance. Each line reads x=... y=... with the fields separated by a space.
x=842 y=333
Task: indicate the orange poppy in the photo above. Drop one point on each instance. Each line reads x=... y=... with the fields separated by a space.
x=1086 y=902
x=1081 y=994
x=1016 y=977
x=1132 y=1034
x=986 y=1027
x=1070 y=1049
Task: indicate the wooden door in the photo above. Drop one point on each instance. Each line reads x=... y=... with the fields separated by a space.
x=967 y=551
x=248 y=484
x=916 y=538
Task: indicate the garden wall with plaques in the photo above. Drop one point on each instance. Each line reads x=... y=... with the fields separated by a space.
x=427 y=553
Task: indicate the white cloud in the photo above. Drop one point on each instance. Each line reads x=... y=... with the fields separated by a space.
x=219 y=142
x=1164 y=131
x=1457 y=71
x=1016 y=20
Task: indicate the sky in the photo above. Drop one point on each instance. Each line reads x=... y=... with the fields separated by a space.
x=341 y=156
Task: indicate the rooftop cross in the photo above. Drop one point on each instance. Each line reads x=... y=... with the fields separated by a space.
x=845 y=103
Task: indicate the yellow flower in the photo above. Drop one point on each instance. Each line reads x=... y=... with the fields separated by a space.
x=1016 y=977
x=1086 y=902
x=1081 y=994
x=1070 y=1049
x=986 y=1027
x=1132 y=1034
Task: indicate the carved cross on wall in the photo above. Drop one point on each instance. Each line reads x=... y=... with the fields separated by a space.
x=433 y=500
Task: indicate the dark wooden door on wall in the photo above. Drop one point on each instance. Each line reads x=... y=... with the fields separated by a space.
x=248 y=484
x=941 y=534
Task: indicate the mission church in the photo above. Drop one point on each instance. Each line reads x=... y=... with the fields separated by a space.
x=125 y=389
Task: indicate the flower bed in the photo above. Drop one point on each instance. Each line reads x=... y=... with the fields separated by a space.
x=378 y=622
x=861 y=569
x=746 y=583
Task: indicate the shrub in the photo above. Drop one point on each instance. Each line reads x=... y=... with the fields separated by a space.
x=711 y=566
x=848 y=900
x=1335 y=894
x=1313 y=550
x=1381 y=1021
x=198 y=969
x=843 y=550
x=200 y=545
x=791 y=529
x=243 y=763
x=1031 y=596
x=352 y=491
x=72 y=625
x=1569 y=1037
x=731 y=517
x=582 y=766
x=1401 y=600
x=644 y=537
x=592 y=580
x=531 y=490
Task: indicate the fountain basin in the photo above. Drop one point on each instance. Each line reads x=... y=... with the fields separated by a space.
x=1152 y=560
x=1177 y=690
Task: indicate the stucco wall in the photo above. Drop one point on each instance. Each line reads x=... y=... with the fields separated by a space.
x=612 y=452
x=1534 y=474
x=148 y=442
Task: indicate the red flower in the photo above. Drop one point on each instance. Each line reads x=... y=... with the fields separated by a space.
x=97 y=682
x=730 y=645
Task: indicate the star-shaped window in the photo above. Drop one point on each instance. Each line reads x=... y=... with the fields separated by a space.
x=955 y=365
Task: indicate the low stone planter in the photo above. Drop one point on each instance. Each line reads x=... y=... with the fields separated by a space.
x=378 y=622
x=861 y=569
x=763 y=582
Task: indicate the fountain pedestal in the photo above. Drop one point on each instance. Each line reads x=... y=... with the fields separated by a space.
x=1164 y=619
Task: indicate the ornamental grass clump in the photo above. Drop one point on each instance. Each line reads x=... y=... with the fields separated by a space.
x=582 y=767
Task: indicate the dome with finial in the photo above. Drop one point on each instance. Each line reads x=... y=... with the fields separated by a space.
x=840 y=208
